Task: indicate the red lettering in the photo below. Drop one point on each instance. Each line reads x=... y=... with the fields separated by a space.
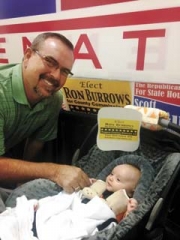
x=26 y=43
x=83 y=39
x=2 y=50
x=71 y=4
x=142 y=36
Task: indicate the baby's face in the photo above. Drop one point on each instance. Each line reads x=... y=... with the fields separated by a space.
x=123 y=176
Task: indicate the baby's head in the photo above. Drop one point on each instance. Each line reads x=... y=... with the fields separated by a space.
x=123 y=176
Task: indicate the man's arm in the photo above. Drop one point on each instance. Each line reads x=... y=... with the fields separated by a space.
x=19 y=171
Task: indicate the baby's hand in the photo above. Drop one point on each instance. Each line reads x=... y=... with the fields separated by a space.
x=132 y=205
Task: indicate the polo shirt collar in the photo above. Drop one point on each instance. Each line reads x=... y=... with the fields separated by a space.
x=18 y=91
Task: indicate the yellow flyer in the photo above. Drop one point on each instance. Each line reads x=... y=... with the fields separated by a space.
x=89 y=95
x=118 y=129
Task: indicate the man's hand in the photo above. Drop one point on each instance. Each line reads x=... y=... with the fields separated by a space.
x=70 y=178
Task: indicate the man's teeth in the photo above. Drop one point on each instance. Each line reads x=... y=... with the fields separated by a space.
x=48 y=82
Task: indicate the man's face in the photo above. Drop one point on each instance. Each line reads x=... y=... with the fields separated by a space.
x=45 y=70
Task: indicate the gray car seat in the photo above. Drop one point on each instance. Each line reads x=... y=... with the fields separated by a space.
x=151 y=219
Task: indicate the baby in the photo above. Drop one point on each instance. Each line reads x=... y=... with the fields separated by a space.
x=123 y=177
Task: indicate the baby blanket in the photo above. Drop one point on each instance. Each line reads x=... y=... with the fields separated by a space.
x=62 y=216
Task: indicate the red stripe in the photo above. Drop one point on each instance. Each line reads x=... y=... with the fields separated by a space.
x=72 y=4
x=2 y=60
x=124 y=19
x=144 y=33
x=2 y=50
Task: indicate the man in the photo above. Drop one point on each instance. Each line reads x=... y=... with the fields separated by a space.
x=30 y=103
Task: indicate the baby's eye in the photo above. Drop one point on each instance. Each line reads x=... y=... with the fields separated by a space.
x=118 y=180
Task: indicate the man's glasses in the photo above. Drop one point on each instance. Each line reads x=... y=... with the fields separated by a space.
x=52 y=63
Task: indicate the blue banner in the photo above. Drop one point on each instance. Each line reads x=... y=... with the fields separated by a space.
x=23 y=8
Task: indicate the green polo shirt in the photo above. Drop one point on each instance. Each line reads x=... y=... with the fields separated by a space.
x=18 y=120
